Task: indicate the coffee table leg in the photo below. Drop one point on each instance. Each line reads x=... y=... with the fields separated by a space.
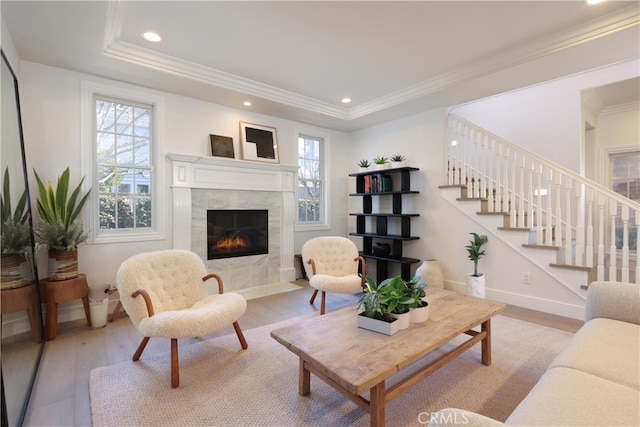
x=304 y=380
x=377 y=402
x=486 y=343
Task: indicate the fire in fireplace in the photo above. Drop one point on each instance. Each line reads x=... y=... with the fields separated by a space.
x=237 y=232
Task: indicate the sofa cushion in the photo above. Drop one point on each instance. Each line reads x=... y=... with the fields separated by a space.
x=569 y=397
x=605 y=348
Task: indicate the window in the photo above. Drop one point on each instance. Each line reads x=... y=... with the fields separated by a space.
x=625 y=180
x=311 y=182
x=123 y=142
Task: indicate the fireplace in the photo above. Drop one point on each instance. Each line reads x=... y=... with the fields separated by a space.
x=237 y=232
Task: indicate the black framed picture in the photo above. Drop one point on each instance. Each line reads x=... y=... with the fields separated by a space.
x=259 y=143
x=222 y=146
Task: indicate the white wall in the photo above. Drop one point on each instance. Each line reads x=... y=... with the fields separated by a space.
x=545 y=118
x=51 y=117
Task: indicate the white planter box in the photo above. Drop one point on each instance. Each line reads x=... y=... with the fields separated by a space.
x=475 y=286
x=387 y=328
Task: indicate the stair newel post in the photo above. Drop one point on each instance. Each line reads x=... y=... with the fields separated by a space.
x=600 y=268
x=475 y=180
x=466 y=164
x=482 y=185
x=496 y=186
x=625 y=244
x=637 y=215
x=504 y=202
x=530 y=205
x=558 y=210
x=589 y=230
x=539 y=238
x=511 y=194
x=491 y=186
x=580 y=223
x=523 y=165
x=613 y=212
x=568 y=224
x=549 y=222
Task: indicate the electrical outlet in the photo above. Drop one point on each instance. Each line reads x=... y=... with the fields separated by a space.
x=526 y=278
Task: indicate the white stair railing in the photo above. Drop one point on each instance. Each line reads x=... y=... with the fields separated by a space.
x=592 y=225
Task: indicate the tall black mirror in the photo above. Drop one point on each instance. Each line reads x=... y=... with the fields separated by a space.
x=22 y=331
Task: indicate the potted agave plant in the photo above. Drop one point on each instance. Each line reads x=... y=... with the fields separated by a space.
x=15 y=239
x=60 y=229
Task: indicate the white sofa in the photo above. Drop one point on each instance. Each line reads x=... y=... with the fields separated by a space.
x=594 y=381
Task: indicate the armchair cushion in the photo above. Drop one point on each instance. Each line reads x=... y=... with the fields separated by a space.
x=350 y=284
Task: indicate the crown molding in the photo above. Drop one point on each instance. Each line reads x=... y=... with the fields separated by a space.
x=114 y=47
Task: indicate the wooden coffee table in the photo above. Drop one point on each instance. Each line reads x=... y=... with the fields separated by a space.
x=353 y=360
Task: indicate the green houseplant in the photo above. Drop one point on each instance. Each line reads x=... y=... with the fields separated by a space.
x=15 y=238
x=381 y=162
x=364 y=164
x=60 y=227
x=397 y=161
x=476 y=281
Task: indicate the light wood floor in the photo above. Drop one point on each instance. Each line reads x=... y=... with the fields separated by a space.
x=61 y=393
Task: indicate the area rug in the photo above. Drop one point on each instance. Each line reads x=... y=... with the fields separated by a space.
x=222 y=385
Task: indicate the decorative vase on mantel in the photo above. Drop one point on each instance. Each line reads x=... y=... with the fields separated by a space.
x=431 y=273
x=63 y=265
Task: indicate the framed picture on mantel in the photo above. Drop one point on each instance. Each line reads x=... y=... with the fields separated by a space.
x=259 y=143
x=221 y=146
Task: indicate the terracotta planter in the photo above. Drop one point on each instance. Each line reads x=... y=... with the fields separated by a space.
x=16 y=272
x=63 y=265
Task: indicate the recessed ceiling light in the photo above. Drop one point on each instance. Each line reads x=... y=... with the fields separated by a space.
x=151 y=36
x=247 y=103
x=345 y=100
x=594 y=1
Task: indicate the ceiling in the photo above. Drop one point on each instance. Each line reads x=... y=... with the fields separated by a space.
x=298 y=59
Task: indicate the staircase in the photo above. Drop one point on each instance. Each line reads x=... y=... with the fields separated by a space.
x=573 y=228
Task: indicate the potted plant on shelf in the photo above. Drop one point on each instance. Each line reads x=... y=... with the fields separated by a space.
x=364 y=165
x=60 y=229
x=397 y=161
x=15 y=239
x=375 y=314
x=476 y=281
x=381 y=162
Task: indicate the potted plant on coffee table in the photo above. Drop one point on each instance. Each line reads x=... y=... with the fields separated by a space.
x=419 y=307
x=476 y=281
x=375 y=314
x=60 y=228
x=15 y=239
x=395 y=294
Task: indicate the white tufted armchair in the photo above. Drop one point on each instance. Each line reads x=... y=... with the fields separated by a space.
x=331 y=263
x=164 y=294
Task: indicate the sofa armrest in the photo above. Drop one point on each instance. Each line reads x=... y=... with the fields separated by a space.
x=613 y=300
x=457 y=417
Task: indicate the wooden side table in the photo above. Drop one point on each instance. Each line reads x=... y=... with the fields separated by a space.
x=24 y=298
x=55 y=292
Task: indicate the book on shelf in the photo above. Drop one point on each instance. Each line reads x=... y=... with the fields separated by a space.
x=367 y=184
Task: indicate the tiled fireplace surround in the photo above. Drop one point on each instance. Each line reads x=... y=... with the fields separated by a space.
x=201 y=183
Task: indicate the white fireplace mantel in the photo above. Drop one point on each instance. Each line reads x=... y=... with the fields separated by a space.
x=198 y=172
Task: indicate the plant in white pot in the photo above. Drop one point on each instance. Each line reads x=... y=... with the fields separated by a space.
x=397 y=161
x=364 y=165
x=15 y=239
x=60 y=228
x=419 y=307
x=375 y=314
x=476 y=281
x=381 y=162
